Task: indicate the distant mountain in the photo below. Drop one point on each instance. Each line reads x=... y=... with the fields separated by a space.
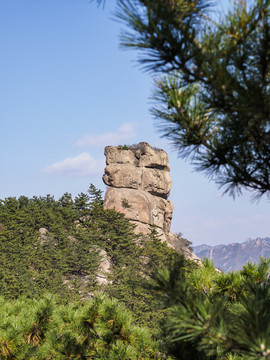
x=234 y=256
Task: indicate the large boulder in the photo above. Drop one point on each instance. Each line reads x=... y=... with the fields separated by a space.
x=141 y=154
x=139 y=183
x=155 y=181
x=139 y=205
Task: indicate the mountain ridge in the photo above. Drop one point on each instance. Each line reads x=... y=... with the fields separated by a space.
x=234 y=255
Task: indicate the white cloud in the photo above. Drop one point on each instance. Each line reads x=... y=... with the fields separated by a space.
x=124 y=133
x=81 y=165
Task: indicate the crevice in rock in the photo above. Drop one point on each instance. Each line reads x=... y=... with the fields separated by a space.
x=156 y=166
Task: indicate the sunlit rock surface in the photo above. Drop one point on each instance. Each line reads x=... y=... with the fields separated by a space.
x=139 y=183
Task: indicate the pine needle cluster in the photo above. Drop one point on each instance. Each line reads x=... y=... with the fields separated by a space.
x=214 y=315
x=212 y=93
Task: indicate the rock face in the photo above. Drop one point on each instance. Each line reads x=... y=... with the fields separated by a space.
x=139 y=167
x=139 y=183
x=104 y=269
x=43 y=235
x=141 y=206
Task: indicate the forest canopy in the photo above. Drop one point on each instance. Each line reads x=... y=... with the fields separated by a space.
x=155 y=304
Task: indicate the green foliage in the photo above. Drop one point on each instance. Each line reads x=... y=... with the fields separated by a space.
x=41 y=246
x=55 y=246
x=214 y=315
x=82 y=203
x=125 y=147
x=95 y=195
x=212 y=96
x=59 y=243
x=96 y=329
x=125 y=203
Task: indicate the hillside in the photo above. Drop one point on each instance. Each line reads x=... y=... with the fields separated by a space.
x=76 y=282
x=234 y=256
x=74 y=248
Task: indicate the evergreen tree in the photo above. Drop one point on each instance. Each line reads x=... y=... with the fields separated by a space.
x=202 y=314
x=213 y=98
x=81 y=203
x=33 y=263
x=55 y=246
x=66 y=200
x=96 y=329
x=218 y=321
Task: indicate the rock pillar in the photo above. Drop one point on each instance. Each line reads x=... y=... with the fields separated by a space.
x=139 y=184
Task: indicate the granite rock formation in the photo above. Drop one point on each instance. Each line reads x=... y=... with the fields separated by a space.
x=139 y=184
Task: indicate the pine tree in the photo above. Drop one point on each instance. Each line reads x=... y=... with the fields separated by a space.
x=96 y=329
x=81 y=203
x=212 y=93
x=227 y=320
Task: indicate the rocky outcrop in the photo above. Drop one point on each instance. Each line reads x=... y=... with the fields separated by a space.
x=140 y=206
x=139 y=184
x=138 y=167
x=104 y=268
x=43 y=235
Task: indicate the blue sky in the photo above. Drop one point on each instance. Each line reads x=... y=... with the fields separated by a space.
x=67 y=90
